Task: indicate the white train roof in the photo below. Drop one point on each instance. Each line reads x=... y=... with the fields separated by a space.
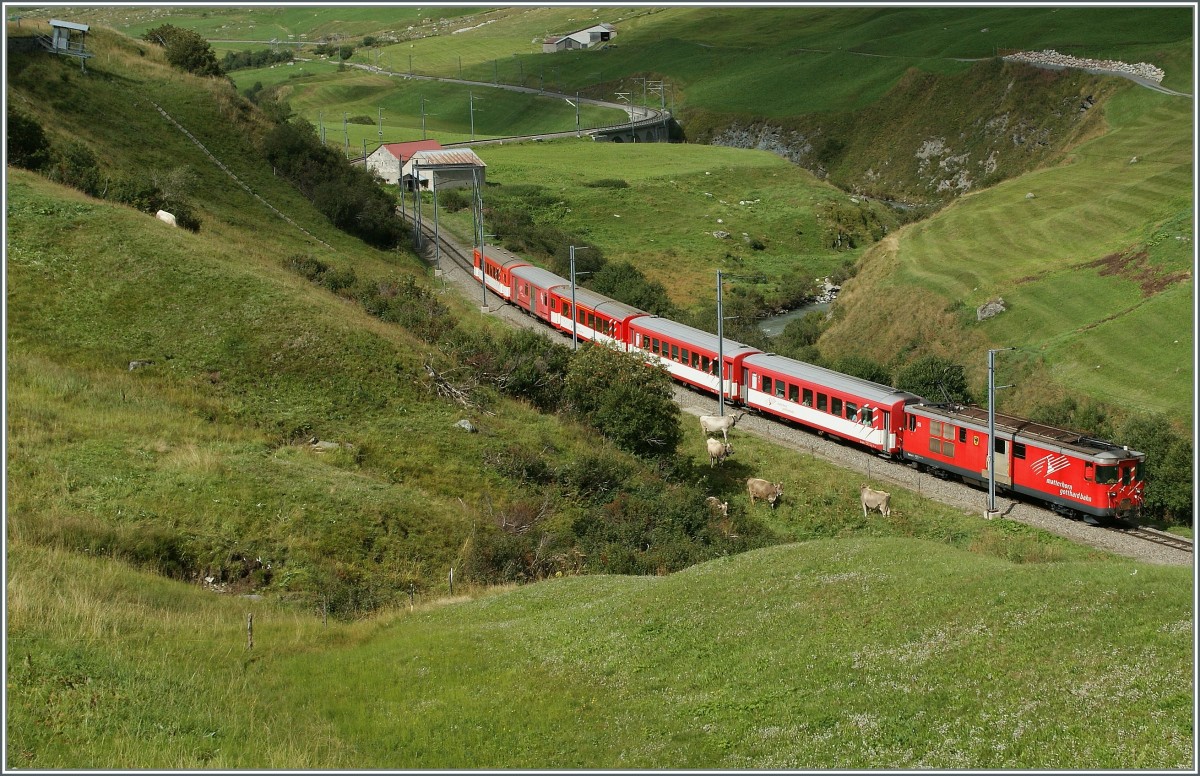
x=820 y=376
x=542 y=278
x=677 y=331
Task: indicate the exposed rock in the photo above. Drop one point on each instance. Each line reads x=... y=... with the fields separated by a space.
x=990 y=309
x=138 y=364
x=467 y=426
x=721 y=234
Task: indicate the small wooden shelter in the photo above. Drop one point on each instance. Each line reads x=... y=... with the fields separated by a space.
x=61 y=40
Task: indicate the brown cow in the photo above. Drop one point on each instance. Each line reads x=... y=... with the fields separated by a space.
x=876 y=499
x=771 y=492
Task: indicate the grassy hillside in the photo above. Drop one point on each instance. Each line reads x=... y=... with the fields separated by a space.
x=1095 y=269
x=949 y=660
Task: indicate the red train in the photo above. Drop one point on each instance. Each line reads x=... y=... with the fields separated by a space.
x=1072 y=473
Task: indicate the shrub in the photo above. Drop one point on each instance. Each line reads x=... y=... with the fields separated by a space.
x=935 y=378
x=186 y=49
x=624 y=400
x=26 y=141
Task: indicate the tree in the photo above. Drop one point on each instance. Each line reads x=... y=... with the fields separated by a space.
x=1168 y=467
x=624 y=399
x=626 y=283
x=935 y=378
x=186 y=49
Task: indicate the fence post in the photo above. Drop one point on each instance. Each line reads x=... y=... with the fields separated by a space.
x=451 y=580
x=250 y=630
x=411 y=590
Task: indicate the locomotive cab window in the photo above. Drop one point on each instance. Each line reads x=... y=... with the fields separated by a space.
x=1000 y=446
x=962 y=435
x=1106 y=475
x=912 y=422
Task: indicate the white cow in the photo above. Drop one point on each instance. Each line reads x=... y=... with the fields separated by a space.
x=718 y=451
x=770 y=492
x=165 y=217
x=876 y=499
x=711 y=424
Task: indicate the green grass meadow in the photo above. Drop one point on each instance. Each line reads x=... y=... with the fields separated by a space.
x=949 y=660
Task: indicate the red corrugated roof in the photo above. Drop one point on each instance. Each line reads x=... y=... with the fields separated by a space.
x=404 y=151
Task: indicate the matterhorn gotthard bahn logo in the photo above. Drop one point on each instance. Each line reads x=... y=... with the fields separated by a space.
x=1050 y=464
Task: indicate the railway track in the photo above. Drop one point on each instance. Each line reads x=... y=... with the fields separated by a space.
x=1156 y=536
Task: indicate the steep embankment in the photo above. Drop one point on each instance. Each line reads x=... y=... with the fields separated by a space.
x=932 y=137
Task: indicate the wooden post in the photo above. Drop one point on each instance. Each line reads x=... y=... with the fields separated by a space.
x=451 y=580
x=411 y=590
x=325 y=611
x=250 y=630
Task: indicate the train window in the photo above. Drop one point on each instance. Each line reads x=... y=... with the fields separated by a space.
x=807 y=397
x=654 y=345
x=1137 y=470
x=912 y=422
x=1126 y=472
x=683 y=356
x=766 y=384
x=674 y=352
x=1019 y=450
x=1000 y=445
x=935 y=428
x=592 y=321
x=822 y=402
x=793 y=393
x=1106 y=474
x=851 y=410
x=566 y=309
x=835 y=406
x=948 y=449
x=962 y=435
x=948 y=432
x=1088 y=471
x=935 y=445
x=780 y=388
x=706 y=365
x=868 y=416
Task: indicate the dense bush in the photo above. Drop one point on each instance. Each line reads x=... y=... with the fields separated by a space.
x=26 y=142
x=627 y=402
x=935 y=378
x=626 y=283
x=186 y=49
x=347 y=195
x=241 y=60
x=1168 y=469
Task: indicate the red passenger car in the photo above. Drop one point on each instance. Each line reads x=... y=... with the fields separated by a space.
x=497 y=265
x=689 y=354
x=848 y=407
x=1075 y=473
x=532 y=290
x=597 y=318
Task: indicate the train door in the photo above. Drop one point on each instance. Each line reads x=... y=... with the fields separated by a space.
x=1000 y=456
x=885 y=422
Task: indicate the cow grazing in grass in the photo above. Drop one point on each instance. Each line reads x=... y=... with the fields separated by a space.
x=718 y=451
x=166 y=218
x=876 y=499
x=714 y=423
x=770 y=492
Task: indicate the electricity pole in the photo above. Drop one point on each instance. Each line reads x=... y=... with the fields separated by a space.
x=574 y=311
x=992 y=388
